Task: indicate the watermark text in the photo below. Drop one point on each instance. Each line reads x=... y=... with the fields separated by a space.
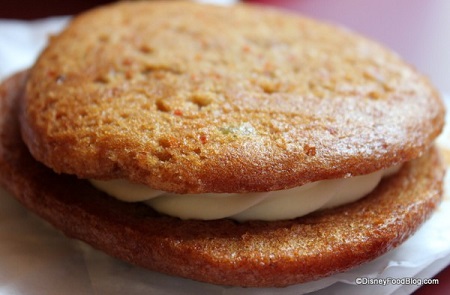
x=396 y=281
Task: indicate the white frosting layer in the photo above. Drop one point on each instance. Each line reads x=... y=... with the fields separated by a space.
x=275 y=205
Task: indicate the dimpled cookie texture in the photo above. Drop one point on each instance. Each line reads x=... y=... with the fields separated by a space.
x=193 y=98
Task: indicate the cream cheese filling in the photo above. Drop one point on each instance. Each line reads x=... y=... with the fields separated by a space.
x=274 y=205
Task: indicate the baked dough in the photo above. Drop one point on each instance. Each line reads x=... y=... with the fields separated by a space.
x=251 y=254
x=193 y=98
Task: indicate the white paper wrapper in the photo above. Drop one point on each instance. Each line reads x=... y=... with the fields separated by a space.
x=36 y=259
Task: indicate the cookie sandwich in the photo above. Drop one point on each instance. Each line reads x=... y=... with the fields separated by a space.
x=235 y=145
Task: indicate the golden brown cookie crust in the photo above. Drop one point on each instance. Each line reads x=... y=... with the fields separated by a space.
x=256 y=254
x=196 y=98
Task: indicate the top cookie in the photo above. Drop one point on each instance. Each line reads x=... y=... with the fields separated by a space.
x=195 y=98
